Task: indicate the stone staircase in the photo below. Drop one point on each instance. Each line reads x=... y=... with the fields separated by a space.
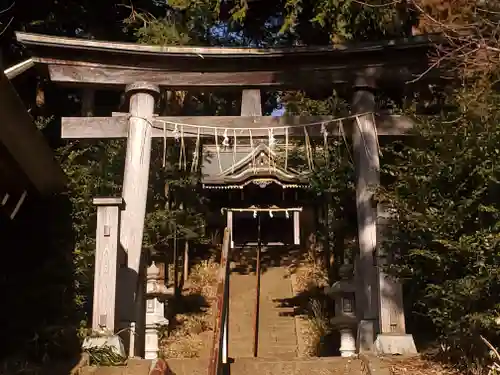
x=264 y=366
x=278 y=340
x=134 y=367
x=240 y=366
x=277 y=336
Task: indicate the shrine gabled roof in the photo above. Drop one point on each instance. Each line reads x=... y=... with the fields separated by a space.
x=235 y=168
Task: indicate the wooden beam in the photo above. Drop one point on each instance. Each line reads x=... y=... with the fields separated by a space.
x=81 y=61
x=296 y=227
x=117 y=76
x=25 y=142
x=117 y=127
x=251 y=103
x=88 y=102
x=18 y=205
x=120 y=76
x=229 y=226
x=72 y=44
x=18 y=69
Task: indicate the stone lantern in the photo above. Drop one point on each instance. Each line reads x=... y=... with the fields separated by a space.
x=156 y=293
x=345 y=320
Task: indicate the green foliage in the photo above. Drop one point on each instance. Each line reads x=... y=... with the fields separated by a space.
x=105 y=356
x=443 y=185
x=444 y=191
x=333 y=175
x=92 y=170
x=184 y=22
x=321 y=22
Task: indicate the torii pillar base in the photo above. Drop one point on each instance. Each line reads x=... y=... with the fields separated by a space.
x=395 y=344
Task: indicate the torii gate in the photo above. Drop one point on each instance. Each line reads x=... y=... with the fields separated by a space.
x=142 y=70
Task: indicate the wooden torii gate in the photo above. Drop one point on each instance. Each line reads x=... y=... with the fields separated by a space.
x=142 y=70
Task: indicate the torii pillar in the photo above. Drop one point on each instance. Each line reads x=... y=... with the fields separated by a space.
x=379 y=298
x=135 y=189
x=367 y=162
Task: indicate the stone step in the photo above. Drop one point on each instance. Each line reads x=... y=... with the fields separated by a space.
x=266 y=324
x=264 y=343
x=276 y=326
x=281 y=348
x=133 y=367
x=270 y=366
x=316 y=366
x=268 y=351
x=272 y=335
x=191 y=366
x=278 y=355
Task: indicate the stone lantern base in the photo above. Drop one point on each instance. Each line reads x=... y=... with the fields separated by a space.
x=347 y=342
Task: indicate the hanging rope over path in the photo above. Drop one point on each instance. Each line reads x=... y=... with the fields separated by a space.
x=192 y=128
x=178 y=135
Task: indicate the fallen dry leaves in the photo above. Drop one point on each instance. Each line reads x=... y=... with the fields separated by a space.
x=415 y=366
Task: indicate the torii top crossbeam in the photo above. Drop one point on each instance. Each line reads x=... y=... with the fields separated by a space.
x=81 y=61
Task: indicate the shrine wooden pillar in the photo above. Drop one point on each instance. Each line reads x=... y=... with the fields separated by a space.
x=366 y=156
x=229 y=226
x=135 y=189
x=296 y=227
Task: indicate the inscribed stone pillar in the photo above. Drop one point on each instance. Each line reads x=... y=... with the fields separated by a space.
x=392 y=338
x=366 y=155
x=392 y=318
x=106 y=258
x=135 y=188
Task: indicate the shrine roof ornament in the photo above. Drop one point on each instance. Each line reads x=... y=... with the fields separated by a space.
x=258 y=165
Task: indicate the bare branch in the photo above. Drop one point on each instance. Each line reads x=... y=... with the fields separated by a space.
x=8 y=8
x=7 y=26
x=384 y=5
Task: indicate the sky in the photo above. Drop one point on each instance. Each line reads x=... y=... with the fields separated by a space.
x=278 y=112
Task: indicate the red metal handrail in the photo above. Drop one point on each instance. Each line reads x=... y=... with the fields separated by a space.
x=219 y=349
